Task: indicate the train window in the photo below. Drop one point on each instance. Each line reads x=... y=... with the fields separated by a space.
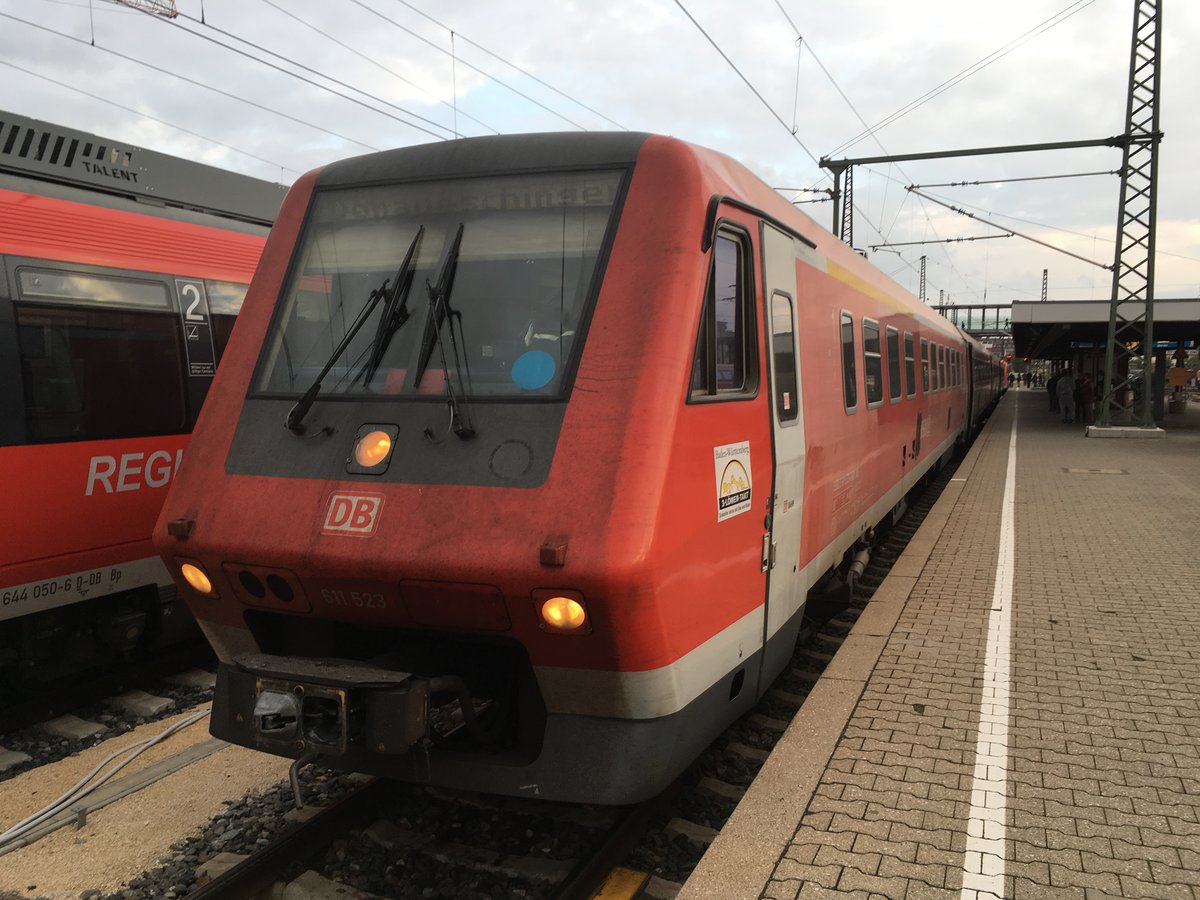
x=783 y=352
x=924 y=366
x=849 y=372
x=224 y=303
x=941 y=364
x=893 y=364
x=724 y=358
x=51 y=286
x=910 y=367
x=225 y=298
x=521 y=254
x=91 y=373
x=872 y=363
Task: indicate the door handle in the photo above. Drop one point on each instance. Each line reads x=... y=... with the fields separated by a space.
x=768 y=552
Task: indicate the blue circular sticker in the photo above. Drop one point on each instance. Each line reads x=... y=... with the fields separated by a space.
x=533 y=369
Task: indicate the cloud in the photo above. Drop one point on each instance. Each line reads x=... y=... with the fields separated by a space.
x=646 y=66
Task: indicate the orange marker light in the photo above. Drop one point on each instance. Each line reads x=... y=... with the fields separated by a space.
x=372 y=448
x=563 y=614
x=196 y=577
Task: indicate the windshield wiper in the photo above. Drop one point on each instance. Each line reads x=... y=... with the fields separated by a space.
x=395 y=308
x=439 y=312
x=295 y=417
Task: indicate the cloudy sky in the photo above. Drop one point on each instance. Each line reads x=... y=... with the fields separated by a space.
x=350 y=76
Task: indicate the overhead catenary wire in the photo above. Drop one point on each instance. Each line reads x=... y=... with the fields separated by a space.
x=513 y=65
x=957 y=240
x=1027 y=237
x=872 y=131
x=745 y=81
x=1045 y=25
x=309 y=81
x=1016 y=180
x=837 y=87
x=367 y=58
x=473 y=68
x=147 y=116
x=193 y=81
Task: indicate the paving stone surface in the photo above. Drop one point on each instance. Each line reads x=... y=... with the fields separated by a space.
x=1101 y=744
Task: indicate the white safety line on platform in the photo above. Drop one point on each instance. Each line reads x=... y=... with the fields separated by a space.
x=983 y=864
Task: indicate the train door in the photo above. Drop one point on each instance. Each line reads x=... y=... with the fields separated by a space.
x=781 y=538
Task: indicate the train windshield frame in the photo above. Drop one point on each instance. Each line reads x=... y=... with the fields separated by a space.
x=529 y=264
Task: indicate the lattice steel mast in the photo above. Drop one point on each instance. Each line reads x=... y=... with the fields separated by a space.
x=1131 y=313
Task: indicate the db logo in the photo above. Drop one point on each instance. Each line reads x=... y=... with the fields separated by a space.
x=354 y=514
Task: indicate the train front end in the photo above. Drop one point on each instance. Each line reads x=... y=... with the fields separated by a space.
x=400 y=524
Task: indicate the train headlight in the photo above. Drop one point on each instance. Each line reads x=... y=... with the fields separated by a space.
x=372 y=448
x=563 y=614
x=194 y=574
x=372 y=452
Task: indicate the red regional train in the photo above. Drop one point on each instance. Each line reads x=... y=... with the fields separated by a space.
x=121 y=273
x=528 y=452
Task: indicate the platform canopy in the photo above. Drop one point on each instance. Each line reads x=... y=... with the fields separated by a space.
x=1058 y=329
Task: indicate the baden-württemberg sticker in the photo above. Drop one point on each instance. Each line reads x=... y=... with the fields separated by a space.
x=732 y=464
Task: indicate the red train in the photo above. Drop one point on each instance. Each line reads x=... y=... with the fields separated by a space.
x=119 y=283
x=528 y=451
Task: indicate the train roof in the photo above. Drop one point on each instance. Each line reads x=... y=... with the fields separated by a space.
x=56 y=155
x=485 y=155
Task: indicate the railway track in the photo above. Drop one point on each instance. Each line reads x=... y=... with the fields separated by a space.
x=23 y=705
x=383 y=839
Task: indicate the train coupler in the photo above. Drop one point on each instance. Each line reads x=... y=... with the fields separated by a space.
x=291 y=705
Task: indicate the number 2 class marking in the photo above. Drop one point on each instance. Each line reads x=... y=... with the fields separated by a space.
x=193 y=293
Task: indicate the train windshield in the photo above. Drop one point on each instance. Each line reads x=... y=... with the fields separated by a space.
x=526 y=267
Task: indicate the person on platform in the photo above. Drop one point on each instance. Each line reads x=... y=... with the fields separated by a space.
x=1087 y=398
x=1064 y=389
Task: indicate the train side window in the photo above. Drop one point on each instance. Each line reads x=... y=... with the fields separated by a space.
x=924 y=366
x=108 y=291
x=724 y=364
x=783 y=344
x=849 y=371
x=941 y=364
x=893 y=364
x=872 y=363
x=910 y=366
x=224 y=303
x=98 y=360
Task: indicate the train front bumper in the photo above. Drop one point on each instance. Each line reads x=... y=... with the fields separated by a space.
x=290 y=705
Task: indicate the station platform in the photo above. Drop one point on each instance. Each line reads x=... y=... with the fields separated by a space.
x=1016 y=714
